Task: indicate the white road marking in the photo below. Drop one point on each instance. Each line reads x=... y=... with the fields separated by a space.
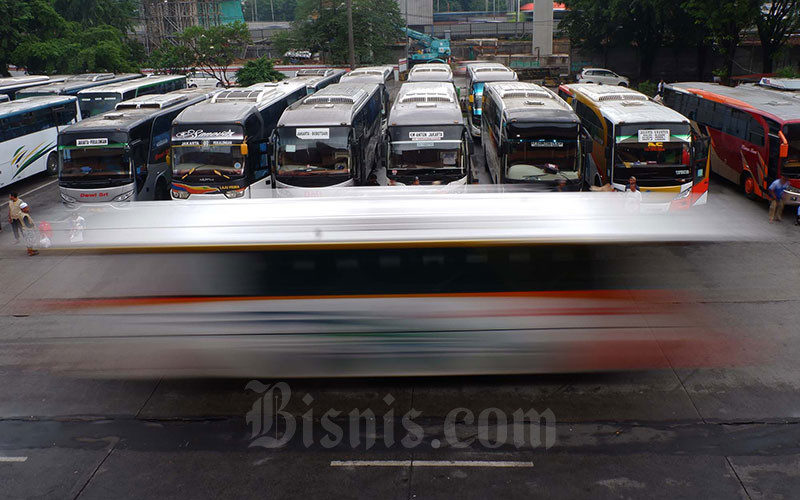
x=429 y=463
x=13 y=459
x=23 y=195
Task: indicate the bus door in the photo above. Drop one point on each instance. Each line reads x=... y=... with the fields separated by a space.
x=701 y=144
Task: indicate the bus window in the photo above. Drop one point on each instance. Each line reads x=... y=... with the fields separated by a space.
x=791 y=166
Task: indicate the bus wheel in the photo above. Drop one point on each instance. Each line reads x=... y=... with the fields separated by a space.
x=52 y=164
x=748 y=186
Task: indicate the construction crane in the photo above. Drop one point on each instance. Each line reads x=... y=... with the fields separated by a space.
x=429 y=49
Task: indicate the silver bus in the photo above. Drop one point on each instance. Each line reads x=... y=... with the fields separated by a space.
x=75 y=83
x=531 y=136
x=122 y=155
x=478 y=74
x=330 y=138
x=105 y=97
x=431 y=72
x=427 y=141
x=318 y=78
x=381 y=75
x=11 y=85
x=220 y=148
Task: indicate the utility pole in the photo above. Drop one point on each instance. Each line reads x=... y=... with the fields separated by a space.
x=351 y=46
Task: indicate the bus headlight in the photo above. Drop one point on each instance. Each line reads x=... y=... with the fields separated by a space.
x=235 y=194
x=124 y=196
x=180 y=195
x=67 y=198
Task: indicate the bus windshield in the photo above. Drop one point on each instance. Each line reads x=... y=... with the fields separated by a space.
x=313 y=151
x=668 y=154
x=222 y=161
x=477 y=91
x=791 y=167
x=94 y=104
x=542 y=154
x=428 y=147
x=92 y=164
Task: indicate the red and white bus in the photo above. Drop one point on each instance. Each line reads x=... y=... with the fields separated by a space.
x=755 y=132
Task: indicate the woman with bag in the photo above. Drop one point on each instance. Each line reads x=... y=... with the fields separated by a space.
x=29 y=232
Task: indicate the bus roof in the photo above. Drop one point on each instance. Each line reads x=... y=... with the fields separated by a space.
x=235 y=105
x=15 y=82
x=490 y=72
x=791 y=84
x=784 y=106
x=421 y=103
x=334 y=105
x=123 y=119
x=310 y=79
x=377 y=74
x=28 y=104
x=431 y=72
x=76 y=83
x=318 y=72
x=530 y=102
x=624 y=105
x=127 y=85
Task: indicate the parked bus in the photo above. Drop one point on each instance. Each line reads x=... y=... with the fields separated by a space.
x=121 y=155
x=478 y=74
x=105 y=97
x=74 y=84
x=220 y=148
x=431 y=72
x=755 y=132
x=381 y=75
x=427 y=139
x=11 y=85
x=28 y=134
x=635 y=136
x=331 y=138
x=318 y=78
x=531 y=136
x=4 y=98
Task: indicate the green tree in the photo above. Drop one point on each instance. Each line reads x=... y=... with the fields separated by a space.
x=322 y=26
x=723 y=21
x=214 y=49
x=172 y=59
x=260 y=70
x=777 y=20
x=593 y=26
x=121 y=14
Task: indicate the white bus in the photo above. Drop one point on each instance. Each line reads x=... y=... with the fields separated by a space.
x=11 y=85
x=104 y=98
x=71 y=85
x=220 y=148
x=121 y=155
x=28 y=133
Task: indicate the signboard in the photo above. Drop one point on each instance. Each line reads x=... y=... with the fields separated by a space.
x=546 y=144
x=429 y=135
x=311 y=134
x=654 y=135
x=200 y=134
x=100 y=141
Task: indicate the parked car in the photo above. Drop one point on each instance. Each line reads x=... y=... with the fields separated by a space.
x=199 y=79
x=602 y=76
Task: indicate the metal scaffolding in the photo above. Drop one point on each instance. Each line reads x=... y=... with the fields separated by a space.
x=165 y=19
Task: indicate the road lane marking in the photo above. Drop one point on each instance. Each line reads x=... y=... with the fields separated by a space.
x=431 y=463
x=13 y=459
x=23 y=195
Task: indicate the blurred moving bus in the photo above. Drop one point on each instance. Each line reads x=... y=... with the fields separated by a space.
x=330 y=138
x=74 y=84
x=11 y=85
x=122 y=155
x=220 y=148
x=318 y=78
x=755 y=132
x=104 y=98
x=28 y=133
x=531 y=136
x=426 y=138
x=635 y=136
x=479 y=74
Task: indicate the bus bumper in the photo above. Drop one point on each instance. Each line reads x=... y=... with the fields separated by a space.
x=791 y=198
x=71 y=196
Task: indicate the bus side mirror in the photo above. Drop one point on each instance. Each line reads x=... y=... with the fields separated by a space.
x=783 y=152
x=244 y=149
x=471 y=98
x=168 y=158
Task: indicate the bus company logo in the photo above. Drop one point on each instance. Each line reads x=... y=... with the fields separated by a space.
x=23 y=158
x=275 y=421
x=202 y=134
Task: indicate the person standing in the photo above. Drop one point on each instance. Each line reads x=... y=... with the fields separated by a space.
x=775 y=194
x=15 y=214
x=661 y=88
x=633 y=197
x=29 y=231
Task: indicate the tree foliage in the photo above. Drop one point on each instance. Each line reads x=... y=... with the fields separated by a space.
x=214 y=49
x=322 y=27
x=121 y=14
x=260 y=70
x=776 y=22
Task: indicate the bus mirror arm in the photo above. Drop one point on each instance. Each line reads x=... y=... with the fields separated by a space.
x=784 y=148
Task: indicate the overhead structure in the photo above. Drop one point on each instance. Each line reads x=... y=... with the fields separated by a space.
x=165 y=19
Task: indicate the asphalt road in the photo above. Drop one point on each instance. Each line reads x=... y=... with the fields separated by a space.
x=724 y=431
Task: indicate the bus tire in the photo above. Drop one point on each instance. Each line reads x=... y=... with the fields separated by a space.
x=748 y=186
x=52 y=164
x=623 y=84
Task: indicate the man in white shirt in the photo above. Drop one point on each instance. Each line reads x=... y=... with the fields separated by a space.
x=633 y=197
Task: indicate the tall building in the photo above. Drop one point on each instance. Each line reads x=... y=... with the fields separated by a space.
x=165 y=19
